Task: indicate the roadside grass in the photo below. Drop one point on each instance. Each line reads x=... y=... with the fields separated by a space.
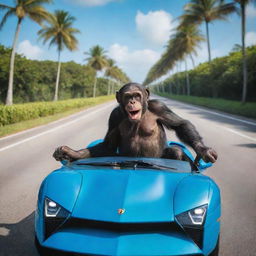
x=233 y=107
x=24 y=125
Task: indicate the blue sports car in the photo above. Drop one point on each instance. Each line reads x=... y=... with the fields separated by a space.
x=128 y=206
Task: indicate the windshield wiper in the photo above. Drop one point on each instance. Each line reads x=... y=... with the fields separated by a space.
x=131 y=163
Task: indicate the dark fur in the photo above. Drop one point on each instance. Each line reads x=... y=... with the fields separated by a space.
x=145 y=137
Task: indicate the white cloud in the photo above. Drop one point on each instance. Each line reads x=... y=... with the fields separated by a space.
x=155 y=27
x=29 y=50
x=92 y=2
x=250 y=38
x=135 y=64
x=250 y=11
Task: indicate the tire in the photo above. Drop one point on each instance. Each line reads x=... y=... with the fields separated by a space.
x=215 y=252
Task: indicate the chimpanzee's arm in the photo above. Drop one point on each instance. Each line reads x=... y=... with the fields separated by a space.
x=115 y=118
x=107 y=148
x=110 y=144
x=184 y=129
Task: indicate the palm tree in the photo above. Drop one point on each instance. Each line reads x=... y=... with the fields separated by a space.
x=98 y=60
x=243 y=4
x=199 y=11
x=188 y=38
x=183 y=43
x=121 y=76
x=60 y=32
x=32 y=9
x=115 y=73
x=111 y=72
x=237 y=48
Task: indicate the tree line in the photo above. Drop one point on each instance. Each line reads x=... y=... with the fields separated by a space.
x=57 y=30
x=35 y=80
x=188 y=36
x=222 y=78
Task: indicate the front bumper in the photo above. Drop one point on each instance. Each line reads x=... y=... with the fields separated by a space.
x=102 y=242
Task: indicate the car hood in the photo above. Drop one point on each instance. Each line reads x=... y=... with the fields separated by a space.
x=127 y=195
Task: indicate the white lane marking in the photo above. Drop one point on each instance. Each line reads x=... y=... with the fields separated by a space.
x=51 y=130
x=226 y=116
x=239 y=133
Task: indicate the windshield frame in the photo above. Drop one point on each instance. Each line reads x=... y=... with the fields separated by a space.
x=169 y=165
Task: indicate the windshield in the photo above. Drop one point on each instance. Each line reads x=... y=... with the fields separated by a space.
x=136 y=163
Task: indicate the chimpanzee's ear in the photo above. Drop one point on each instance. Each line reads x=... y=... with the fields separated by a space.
x=118 y=97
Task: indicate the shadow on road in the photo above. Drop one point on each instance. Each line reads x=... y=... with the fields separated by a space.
x=249 y=145
x=18 y=239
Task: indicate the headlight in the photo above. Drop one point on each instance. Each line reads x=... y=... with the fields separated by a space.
x=54 y=216
x=197 y=215
x=194 y=217
x=192 y=222
x=51 y=209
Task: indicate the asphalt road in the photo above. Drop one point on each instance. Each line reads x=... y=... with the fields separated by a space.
x=25 y=159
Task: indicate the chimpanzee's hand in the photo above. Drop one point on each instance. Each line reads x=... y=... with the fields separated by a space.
x=65 y=153
x=207 y=154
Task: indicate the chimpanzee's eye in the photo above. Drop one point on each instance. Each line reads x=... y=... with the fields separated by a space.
x=137 y=96
x=127 y=97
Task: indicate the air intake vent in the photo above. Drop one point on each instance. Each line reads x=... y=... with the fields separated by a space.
x=123 y=227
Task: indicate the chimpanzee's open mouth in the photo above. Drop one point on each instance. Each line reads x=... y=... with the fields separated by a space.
x=135 y=114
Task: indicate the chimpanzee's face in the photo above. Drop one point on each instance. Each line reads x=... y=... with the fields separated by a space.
x=133 y=100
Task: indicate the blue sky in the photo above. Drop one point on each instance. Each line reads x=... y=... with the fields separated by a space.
x=133 y=32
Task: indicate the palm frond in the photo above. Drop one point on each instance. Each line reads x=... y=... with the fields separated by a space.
x=5 y=17
x=4 y=7
x=60 y=31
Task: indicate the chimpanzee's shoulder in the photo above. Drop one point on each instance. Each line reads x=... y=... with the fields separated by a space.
x=115 y=118
x=157 y=106
x=117 y=113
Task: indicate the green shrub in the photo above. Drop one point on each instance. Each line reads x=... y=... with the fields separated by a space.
x=22 y=112
x=222 y=78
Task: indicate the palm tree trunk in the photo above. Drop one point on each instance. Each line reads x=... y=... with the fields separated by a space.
x=208 y=41
x=9 y=97
x=244 y=53
x=57 y=80
x=112 y=88
x=94 y=86
x=192 y=60
x=109 y=86
x=187 y=79
x=178 y=79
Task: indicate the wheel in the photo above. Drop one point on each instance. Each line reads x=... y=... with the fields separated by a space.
x=215 y=252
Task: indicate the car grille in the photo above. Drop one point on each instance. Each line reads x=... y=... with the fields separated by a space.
x=122 y=227
x=61 y=253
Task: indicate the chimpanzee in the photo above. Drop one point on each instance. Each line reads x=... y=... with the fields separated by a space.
x=136 y=128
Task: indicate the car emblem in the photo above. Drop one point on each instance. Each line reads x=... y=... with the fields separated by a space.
x=121 y=211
